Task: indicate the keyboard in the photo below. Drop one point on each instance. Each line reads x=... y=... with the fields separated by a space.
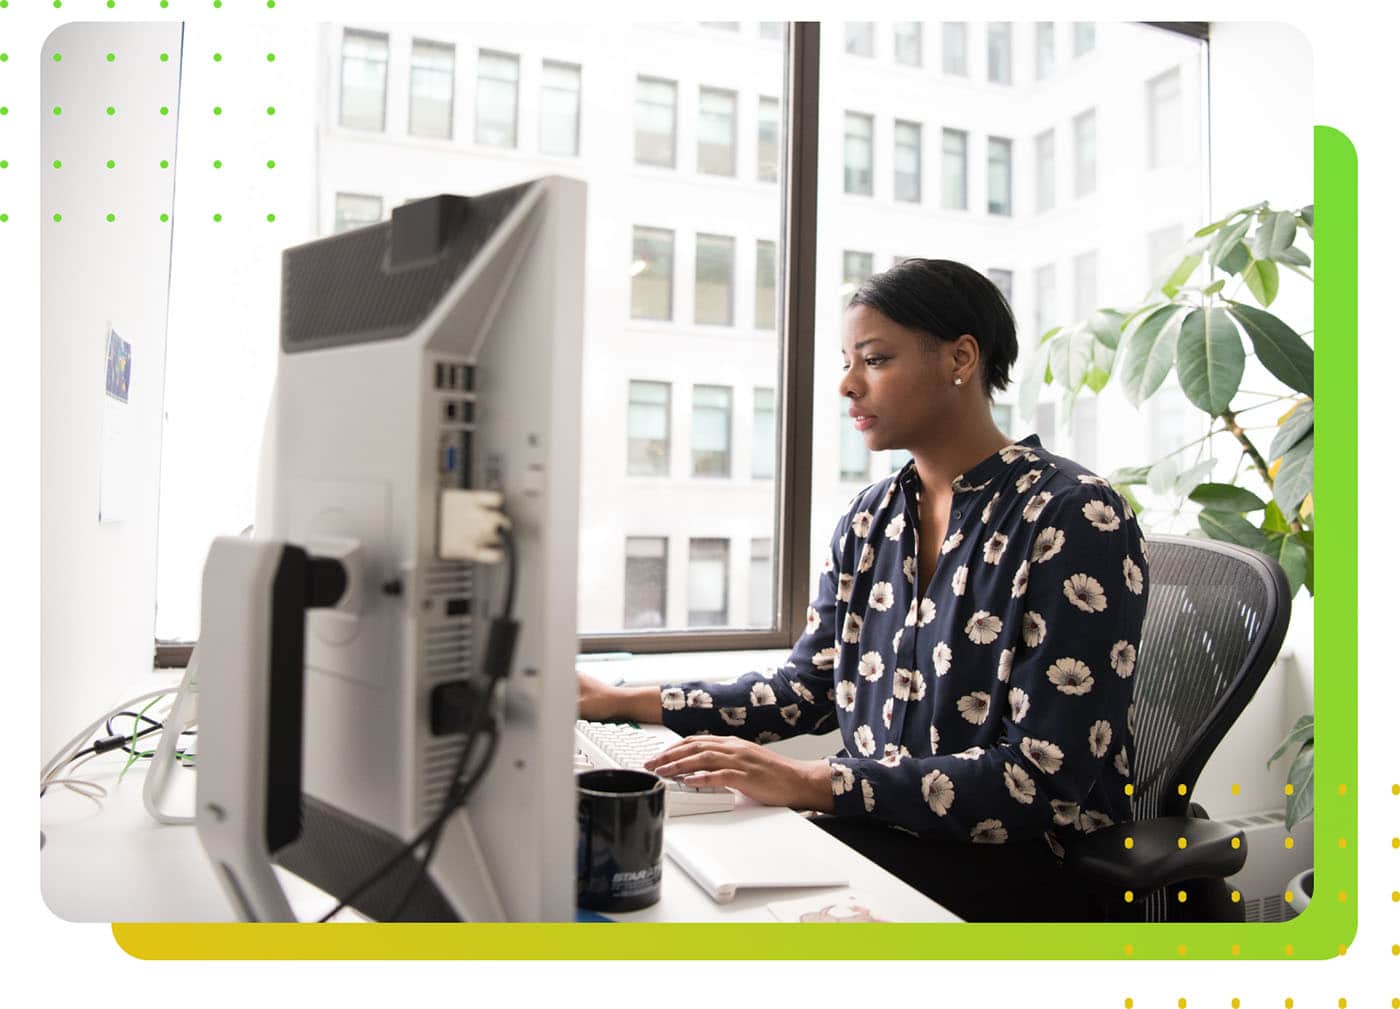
x=611 y=744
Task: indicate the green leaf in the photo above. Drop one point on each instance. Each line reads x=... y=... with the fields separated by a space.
x=1307 y=216
x=1162 y=477
x=1297 y=427
x=1209 y=359
x=1261 y=277
x=1274 y=522
x=1150 y=353
x=1226 y=240
x=1049 y=333
x=1214 y=288
x=1300 y=804
x=1129 y=475
x=1232 y=528
x=1236 y=261
x=1071 y=355
x=1294 y=480
x=1306 y=539
x=1107 y=326
x=1126 y=493
x=1282 y=351
x=1226 y=497
x=1096 y=379
x=1302 y=732
x=1275 y=233
x=1292 y=556
x=1182 y=485
x=1293 y=257
x=1181 y=275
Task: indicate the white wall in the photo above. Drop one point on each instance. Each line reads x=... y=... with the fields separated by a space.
x=97 y=593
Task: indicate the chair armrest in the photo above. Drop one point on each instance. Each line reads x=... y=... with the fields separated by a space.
x=1156 y=859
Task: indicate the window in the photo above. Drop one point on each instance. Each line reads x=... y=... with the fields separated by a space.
x=654 y=122
x=653 y=256
x=1044 y=299
x=364 y=66
x=765 y=290
x=768 y=151
x=708 y=595
x=714 y=280
x=1044 y=49
x=1002 y=278
x=909 y=43
x=644 y=591
x=1086 y=284
x=860 y=131
x=1085 y=153
x=1045 y=425
x=770 y=29
x=430 y=89
x=1162 y=244
x=1045 y=170
x=1084 y=431
x=999 y=52
x=955 y=48
x=897 y=457
x=761 y=583
x=715 y=143
x=765 y=434
x=1002 y=416
x=954 y=170
x=860 y=38
x=1083 y=38
x=855 y=457
x=648 y=428
x=559 y=108
x=999 y=176
x=497 y=82
x=1164 y=119
x=855 y=268
x=908 y=161
x=709 y=430
x=354 y=210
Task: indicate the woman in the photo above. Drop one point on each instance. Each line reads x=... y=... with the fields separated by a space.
x=974 y=635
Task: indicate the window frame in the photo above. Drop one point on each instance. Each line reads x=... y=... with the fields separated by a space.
x=384 y=90
x=577 y=69
x=449 y=47
x=674 y=88
x=733 y=98
x=514 y=144
x=665 y=471
x=918 y=146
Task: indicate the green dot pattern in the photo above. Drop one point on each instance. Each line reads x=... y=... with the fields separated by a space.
x=58 y=164
x=57 y=218
x=111 y=111
x=272 y=217
x=270 y=164
x=218 y=58
x=164 y=110
x=111 y=164
x=111 y=57
x=271 y=111
x=111 y=217
x=164 y=57
x=4 y=218
x=4 y=111
x=58 y=110
x=218 y=111
x=165 y=217
x=218 y=164
x=4 y=164
x=271 y=57
x=4 y=57
x=164 y=163
x=218 y=218
x=58 y=57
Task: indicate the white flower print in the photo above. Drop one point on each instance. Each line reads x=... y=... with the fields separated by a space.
x=974 y=706
x=1018 y=783
x=1070 y=676
x=762 y=693
x=842 y=545
x=887 y=712
x=1132 y=718
x=938 y=792
x=971 y=753
x=1020 y=703
x=1142 y=547
x=1091 y=820
x=846 y=695
x=1122 y=658
x=1120 y=762
x=843 y=587
x=828 y=565
x=933 y=739
x=1036 y=505
x=950 y=543
x=902 y=679
x=851 y=632
x=867 y=793
x=1043 y=754
x=894 y=645
x=1047 y=544
x=960 y=580
x=917 y=686
x=989 y=832
x=1032 y=628
x=814 y=620
x=1132 y=576
x=1028 y=480
x=911 y=569
x=881 y=596
x=872 y=666
x=734 y=716
x=913 y=613
x=942 y=658
x=1066 y=813
x=1004 y=665
x=801 y=691
x=987 y=511
x=927 y=611
x=1090 y=478
x=889 y=495
x=1021 y=580
x=1011 y=453
x=673 y=698
x=825 y=659
x=894 y=754
x=766 y=737
x=843 y=779
x=1100 y=735
x=1127 y=508
x=983 y=628
x=994 y=548
x=1101 y=516
x=790 y=713
x=867 y=559
x=894 y=529
x=865 y=740
x=1085 y=592
x=699 y=699
x=860 y=523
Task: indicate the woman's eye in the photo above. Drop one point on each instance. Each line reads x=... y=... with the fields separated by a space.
x=875 y=362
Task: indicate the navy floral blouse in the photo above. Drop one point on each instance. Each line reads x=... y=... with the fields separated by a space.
x=997 y=705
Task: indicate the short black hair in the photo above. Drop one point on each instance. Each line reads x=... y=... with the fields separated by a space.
x=945 y=299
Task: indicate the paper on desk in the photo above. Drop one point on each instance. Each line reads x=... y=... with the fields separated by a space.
x=842 y=907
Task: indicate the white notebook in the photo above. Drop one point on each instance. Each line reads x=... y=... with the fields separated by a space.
x=752 y=846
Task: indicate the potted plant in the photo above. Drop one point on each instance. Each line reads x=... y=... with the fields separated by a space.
x=1299 y=803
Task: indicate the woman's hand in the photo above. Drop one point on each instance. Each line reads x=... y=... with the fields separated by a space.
x=761 y=774
x=598 y=702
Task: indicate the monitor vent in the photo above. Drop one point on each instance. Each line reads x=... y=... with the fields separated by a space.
x=439 y=760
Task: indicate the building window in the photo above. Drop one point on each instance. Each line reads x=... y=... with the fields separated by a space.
x=908 y=161
x=653 y=257
x=364 y=67
x=559 y=108
x=648 y=428
x=855 y=268
x=1084 y=431
x=765 y=286
x=497 y=85
x=1164 y=119
x=954 y=170
x=1045 y=170
x=644 y=588
x=715 y=143
x=860 y=140
x=761 y=583
x=1002 y=416
x=765 y=434
x=1162 y=245
x=654 y=122
x=708 y=595
x=860 y=38
x=714 y=280
x=768 y=152
x=909 y=43
x=855 y=457
x=955 y=48
x=1044 y=299
x=355 y=210
x=430 y=89
x=1083 y=38
x=999 y=52
x=1044 y=49
x=999 y=176
x=770 y=29
x=1086 y=284
x=1085 y=153
x=1002 y=278
x=897 y=457
x=710 y=410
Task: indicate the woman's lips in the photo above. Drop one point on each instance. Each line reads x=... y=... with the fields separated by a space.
x=864 y=423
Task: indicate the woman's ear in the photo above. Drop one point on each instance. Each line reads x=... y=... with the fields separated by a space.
x=966 y=354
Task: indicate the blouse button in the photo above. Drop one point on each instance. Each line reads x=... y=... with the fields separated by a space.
x=957 y=514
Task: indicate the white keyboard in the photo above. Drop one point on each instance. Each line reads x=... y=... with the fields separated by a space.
x=609 y=744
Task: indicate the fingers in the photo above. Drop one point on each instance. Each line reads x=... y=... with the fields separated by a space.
x=686 y=747
x=705 y=760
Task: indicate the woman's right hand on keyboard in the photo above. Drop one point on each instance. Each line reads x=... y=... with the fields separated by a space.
x=598 y=702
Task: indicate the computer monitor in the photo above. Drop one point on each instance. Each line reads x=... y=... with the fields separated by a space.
x=440 y=349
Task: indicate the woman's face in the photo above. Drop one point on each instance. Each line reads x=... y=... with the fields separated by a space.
x=898 y=381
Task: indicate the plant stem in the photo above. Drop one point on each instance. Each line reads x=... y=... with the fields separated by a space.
x=1233 y=426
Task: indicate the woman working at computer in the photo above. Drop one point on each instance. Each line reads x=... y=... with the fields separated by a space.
x=973 y=637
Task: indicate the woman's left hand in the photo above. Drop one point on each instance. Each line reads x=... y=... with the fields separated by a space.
x=762 y=775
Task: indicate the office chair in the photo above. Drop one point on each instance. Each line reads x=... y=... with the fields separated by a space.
x=1216 y=617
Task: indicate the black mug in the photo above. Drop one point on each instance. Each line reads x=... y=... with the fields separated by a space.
x=620 y=813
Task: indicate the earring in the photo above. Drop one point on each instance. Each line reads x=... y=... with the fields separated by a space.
x=957 y=381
